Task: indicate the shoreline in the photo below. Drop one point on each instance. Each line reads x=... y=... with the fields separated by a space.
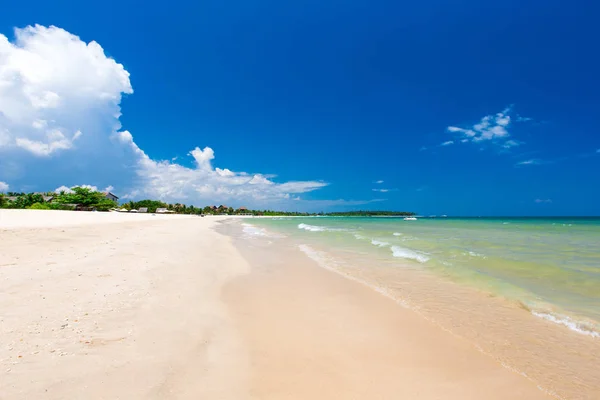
x=558 y=360
x=315 y=334
x=107 y=306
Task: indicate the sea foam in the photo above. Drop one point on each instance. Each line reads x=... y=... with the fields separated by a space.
x=379 y=243
x=402 y=252
x=578 y=327
x=252 y=230
x=317 y=228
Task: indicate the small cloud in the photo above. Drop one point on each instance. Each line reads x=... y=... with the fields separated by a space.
x=67 y=189
x=378 y=182
x=492 y=128
x=511 y=143
x=384 y=190
x=423 y=148
x=3 y=186
x=540 y=201
x=529 y=162
x=598 y=151
x=421 y=188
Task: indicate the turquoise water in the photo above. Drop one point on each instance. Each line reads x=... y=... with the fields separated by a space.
x=550 y=265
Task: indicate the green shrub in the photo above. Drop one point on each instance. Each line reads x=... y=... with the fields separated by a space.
x=39 y=206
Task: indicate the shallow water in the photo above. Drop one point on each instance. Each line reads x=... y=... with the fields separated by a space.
x=550 y=265
x=523 y=291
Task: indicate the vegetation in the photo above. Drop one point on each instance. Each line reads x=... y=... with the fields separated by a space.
x=77 y=197
x=87 y=199
x=151 y=205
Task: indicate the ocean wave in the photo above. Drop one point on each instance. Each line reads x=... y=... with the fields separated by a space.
x=359 y=237
x=474 y=254
x=379 y=243
x=317 y=228
x=252 y=230
x=397 y=234
x=577 y=326
x=327 y=262
x=402 y=252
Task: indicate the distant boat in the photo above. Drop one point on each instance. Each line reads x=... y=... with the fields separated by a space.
x=410 y=219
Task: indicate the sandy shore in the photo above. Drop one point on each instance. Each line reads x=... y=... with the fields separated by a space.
x=105 y=306
x=114 y=307
x=313 y=334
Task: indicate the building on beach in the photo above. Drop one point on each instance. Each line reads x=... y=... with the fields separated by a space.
x=111 y=196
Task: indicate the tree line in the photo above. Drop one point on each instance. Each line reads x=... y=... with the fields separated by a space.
x=81 y=198
x=76 y=198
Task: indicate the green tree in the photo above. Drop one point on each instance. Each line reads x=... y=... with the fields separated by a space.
x=151 y=205
x=86 y=198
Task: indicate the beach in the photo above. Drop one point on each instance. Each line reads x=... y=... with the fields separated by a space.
x=105 y=305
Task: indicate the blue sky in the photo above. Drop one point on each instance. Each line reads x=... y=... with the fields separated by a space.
x=306 y=105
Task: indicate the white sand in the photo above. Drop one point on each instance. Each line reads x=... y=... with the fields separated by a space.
x=116 y=306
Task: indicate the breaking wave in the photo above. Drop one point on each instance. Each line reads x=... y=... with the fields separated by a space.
x=317 y=228
x=402 y=252
x=579 y=327
x=251 y=230
x=379 y=243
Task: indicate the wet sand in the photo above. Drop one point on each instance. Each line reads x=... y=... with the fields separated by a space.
x=313 y=334
x=171 y=308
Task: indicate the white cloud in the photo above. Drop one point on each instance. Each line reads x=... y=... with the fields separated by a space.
x=491 y=128
x=49 y=82
x=529 y=162
x=93 y=188
x=384 y=190
x=510 y=143
x=59 y=116
x=3 y=186
x=316 y=204
x=378 y=182
x=170 y=181
x=539 y=201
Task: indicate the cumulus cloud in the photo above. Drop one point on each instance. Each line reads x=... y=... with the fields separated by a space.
x=540 y=201
x=378 y=182
x=447 y=143
x=59 y=122
x=171 y=181
x=49 y=82
x=3 y=186
x=491 y=128
x=93 y=188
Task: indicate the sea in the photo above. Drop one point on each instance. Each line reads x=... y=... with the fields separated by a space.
x=525 y=291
